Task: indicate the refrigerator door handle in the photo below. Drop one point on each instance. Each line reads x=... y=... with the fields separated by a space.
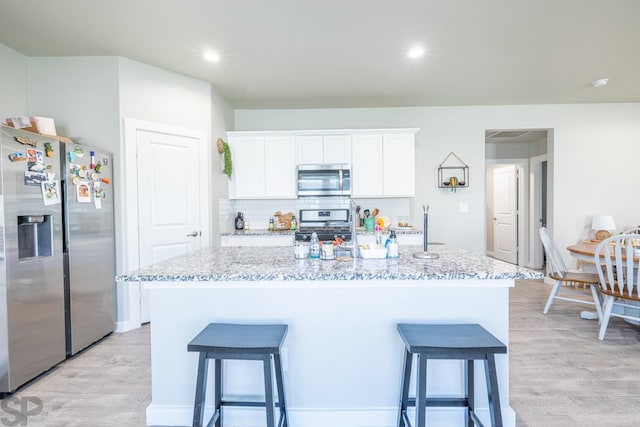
x=193 y=234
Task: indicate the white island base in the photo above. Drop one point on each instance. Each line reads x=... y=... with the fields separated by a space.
x=342 y=356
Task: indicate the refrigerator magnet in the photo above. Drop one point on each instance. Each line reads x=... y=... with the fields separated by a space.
x=78 y=151
x=72 y=156
x=50 y=192
x=76 y=180
x=17 y=157
x=34 y=178
x=48 y=149
x=94 y=176
x=106 y=180
x=83 y=194
x=99 y=167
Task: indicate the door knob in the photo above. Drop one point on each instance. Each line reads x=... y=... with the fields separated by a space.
x=495 y=219
x=193 y=234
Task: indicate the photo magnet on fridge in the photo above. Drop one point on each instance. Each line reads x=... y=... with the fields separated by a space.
x=50 y=192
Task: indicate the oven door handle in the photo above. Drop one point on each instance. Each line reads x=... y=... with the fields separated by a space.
x=341 y=180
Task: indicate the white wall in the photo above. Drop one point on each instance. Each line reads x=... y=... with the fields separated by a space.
x=81 y=95
x=155 y=95
x=593 y=158
x=14 y=83
x=222 y=120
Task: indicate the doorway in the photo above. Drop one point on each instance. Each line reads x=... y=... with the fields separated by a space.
x=517 y=194
x=166 y=197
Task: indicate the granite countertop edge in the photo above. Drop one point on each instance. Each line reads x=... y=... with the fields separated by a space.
x=253 y=264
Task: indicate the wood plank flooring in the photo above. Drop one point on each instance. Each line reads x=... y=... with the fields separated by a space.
x=561 y=374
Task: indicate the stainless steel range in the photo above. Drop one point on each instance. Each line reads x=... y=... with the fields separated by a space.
x=327 y=223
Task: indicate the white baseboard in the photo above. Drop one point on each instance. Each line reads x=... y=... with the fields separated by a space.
x=173 y=415
x=126 y=326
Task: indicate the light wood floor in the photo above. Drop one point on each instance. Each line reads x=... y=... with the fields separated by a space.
x=561 y=374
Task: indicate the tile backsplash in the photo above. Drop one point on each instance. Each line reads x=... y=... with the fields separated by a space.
x=258 y=212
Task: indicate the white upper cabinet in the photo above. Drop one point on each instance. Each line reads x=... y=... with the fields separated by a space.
x=323 y=149
x=264 y=163
x=383 y=165
x=309 y=149
x=337 y=149
x=280 y=167
x=247 y=177
x=366 y=167
x=263 y=167
x=398 y=156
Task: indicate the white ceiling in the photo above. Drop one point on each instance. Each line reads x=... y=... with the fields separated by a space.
x=351 y=53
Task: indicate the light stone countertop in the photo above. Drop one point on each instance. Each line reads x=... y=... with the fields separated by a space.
x=262 y=232
x=248 y=264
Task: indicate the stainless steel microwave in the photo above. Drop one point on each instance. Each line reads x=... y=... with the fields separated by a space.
x=324 y=180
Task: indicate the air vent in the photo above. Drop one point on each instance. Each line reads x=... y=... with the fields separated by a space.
x=506 y=133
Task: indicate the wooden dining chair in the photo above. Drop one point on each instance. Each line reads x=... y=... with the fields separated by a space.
x=618 y=279
x=560 y=275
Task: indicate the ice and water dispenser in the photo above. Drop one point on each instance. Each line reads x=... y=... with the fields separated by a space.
x=35 y=236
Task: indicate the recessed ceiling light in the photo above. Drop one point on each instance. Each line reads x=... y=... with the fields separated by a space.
x=415 y=52
x=211 y=56
x=600 y=83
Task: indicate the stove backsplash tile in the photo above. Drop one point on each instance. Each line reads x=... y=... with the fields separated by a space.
x=258 y=212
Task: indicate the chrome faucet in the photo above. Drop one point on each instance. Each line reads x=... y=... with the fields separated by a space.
x=354 y=234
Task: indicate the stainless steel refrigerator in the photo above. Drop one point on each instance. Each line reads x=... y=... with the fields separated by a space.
x=32 y=320
x=89 y=244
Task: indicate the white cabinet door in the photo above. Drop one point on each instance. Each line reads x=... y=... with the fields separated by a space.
x=323 y=149
x=309 y=149
x=280 y=167
x=366 y=173
x=337 y=149
x=248 y=177
x=398 y=154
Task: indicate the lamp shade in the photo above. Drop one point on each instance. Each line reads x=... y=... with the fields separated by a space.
x=603 y=222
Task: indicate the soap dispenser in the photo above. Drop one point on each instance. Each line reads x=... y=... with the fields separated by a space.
x=239 y=221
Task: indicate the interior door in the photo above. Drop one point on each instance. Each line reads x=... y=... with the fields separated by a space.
x=168 y=195
x=505 y=213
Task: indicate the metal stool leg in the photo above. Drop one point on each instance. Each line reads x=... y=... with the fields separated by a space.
x=421 y=391
x=268 y=389
x=492 y=390
x=218 y=393
x=201 y=384
x=404 y=396
x=471 y=404
x=284 y=422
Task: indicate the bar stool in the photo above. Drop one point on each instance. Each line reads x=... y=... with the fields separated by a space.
x=221 y=341
x=467 y=342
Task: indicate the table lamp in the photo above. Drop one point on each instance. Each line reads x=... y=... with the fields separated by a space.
x=603 y=224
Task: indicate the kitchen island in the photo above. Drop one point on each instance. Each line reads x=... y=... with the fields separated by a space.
x=342 y=355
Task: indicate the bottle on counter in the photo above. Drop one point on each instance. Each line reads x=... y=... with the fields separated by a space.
x=393 y=249
x=378 y=234
x=272 y=222
x=294 y=222
x=239 y=221
x=314 y=246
